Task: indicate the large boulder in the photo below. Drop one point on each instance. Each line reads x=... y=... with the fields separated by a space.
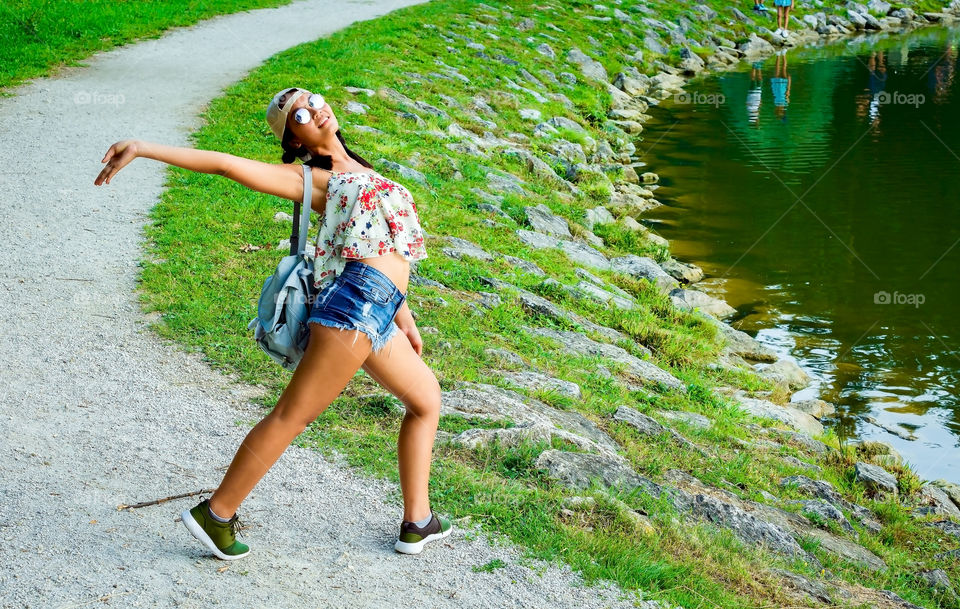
x=642 y=267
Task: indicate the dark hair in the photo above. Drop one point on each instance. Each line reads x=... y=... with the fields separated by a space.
x=324 y=161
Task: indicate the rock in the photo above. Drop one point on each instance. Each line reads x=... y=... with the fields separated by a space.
x=810 y=467
x=535 y=164
x=648 y=426
x=875 y=478
x=947 y=526
x=728 y=511
x=805 y=440
x=906 y=434
x=682 y=271
x=690 y=62
x=564 y=122
x=631 y=199
x=353 y=107
x=570 y=152
x=578 y=470
x=574 y=249
x=597 y=293
x=858 y=20
x=524 y=265
x=950 y=488
x=690 y=418
x=689 y=300
x=355 y=90
x=937 y=580
x=498 y=404
x=503 y=355
x=546 y=50
x=538 y=305
x=644 y=268
x=904 y=14
x=787 y=373
x=630 y=85
x=825 y=511
x=530 y=114
x=488 y=300
x=461 y=247
x=813 y=589
x=641 y=370
x=527 y=433
x=536 y=381
x=597 y=215
x=778 y=522
x=755 y=47
x=405 y=172
x=702 y=12
x=814 y=407
x=791 y=417
x=525 y=24
x=544 y=220
x=579 y=503
x=653 y=44
x=589 y=67
x=741 y=343
x=877 y=447
x=665 y=84
x=824 y=490
x=739 y=16
x=934 y=496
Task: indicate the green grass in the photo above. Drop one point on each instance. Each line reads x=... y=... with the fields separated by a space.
x=203 y=287
x=40 y=37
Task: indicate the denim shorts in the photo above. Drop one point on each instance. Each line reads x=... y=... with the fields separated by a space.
x=360 y=298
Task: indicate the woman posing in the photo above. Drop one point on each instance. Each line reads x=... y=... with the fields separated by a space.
x=370 y=232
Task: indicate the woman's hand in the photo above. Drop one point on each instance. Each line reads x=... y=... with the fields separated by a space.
x=116 y=159
x=413 y=335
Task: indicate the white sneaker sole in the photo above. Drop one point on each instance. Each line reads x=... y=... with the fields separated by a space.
x=197 y=531
x=407 y=547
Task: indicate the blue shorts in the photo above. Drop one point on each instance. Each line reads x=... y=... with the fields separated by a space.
x=782 y=2
x=360 y=298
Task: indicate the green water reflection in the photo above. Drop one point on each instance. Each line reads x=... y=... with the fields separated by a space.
x=819 y=190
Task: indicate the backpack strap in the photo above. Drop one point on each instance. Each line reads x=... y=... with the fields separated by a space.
x=301 y=216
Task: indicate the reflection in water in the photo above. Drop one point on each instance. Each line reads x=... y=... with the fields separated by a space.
x=834 y=233
x=780 y=85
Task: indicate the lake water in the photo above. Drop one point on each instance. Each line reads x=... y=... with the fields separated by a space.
x=820 y=192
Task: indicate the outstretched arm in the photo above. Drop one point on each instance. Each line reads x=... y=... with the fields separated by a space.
x=277 y=179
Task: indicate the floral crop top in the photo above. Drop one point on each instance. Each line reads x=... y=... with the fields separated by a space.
x=366 y=215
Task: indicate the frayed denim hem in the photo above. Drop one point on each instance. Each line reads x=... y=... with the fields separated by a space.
x=377 y=341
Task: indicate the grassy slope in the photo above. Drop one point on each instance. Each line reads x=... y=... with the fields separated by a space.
x=40 y=37
x=206 y=289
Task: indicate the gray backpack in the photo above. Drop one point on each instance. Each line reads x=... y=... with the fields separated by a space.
x=287 y=295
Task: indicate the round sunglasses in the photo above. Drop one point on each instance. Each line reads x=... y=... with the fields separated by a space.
x=302 y=115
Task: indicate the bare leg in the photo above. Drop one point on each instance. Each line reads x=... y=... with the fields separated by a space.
x=399 y=370
x=328 y=364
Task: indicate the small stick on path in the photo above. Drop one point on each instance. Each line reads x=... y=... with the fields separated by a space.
x=124 y=506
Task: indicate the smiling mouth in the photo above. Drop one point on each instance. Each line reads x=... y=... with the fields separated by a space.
x=323 y=122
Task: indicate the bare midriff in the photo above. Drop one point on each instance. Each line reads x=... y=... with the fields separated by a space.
x=393 y=265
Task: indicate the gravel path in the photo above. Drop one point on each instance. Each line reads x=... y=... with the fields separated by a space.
x=96 y=411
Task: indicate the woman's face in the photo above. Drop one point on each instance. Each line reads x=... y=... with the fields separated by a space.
x=321 y=126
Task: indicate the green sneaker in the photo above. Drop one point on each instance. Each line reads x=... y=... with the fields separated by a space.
x=413 y=538
x=220 y=537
